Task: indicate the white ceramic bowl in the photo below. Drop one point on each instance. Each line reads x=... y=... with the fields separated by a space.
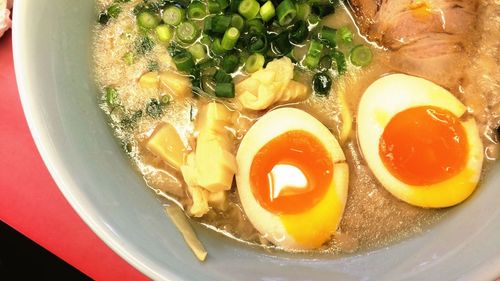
x=52 y=52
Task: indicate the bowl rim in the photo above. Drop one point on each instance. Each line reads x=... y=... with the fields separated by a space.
x=60 y=176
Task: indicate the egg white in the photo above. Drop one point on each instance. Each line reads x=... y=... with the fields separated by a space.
x=395 y=93
x=270 y=126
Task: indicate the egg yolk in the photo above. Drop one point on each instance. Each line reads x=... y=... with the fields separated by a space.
x=291 y=173
x=424 y=145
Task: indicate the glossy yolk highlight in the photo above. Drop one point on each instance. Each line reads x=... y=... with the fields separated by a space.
x=424 y=145
x=291 y=173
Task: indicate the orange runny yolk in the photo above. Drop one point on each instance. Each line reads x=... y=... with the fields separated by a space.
x=424 y=145
x=291 y=173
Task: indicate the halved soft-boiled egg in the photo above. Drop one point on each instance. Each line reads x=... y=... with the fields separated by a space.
x=292 y=179
x=419 y=142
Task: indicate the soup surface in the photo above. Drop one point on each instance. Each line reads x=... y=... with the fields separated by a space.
x=372 y=217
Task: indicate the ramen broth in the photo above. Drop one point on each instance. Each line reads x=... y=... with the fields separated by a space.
x=372 y=217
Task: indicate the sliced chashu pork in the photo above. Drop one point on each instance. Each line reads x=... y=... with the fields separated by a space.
x=428 y=37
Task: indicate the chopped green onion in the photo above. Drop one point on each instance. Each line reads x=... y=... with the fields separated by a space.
x=111 y=96
x=249 y=9
x=187 y=32
x=254 y=63
x=267 y=11
x=323 y=9
x=303 y=11
x=207 y=25
x=221 y=76
x=281 y=44
x=173 y=15
x=208 y=84
x=164 y=32
x=205 y=40
x=313 y=19
x=299 y=32
x=223 y=4
x=174 y=49
x=230 y=38
x=328 y=35
x=344 y=35
x=339 y=61
x=218 y=24
x=224 y=90
x=313 y=54
x=286 y=12
x=257 y=43
x=198 y=51
x=114 y=10
x=196 y=10
x=217 y=47
x=361 y=55
x=147 y=20
x=238 y=22
x=325 y=63
x=322 y=84
x=234 y=5
x=214 y=7
x=165 y=100
x=195 y=77
x=184 y=61
x=129 y=58
x=255 y=26
x=230 y=63
x=144 y=44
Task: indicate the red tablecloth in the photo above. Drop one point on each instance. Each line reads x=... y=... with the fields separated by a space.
x=30 y=201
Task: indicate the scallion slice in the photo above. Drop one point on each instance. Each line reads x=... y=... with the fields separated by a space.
x=255 y=26
x=219 y=24
x=198 y=52
x=230 y=38
x=254 y=63
x=339 y=61
x=344 y=35
x=281 y=44
x=173 y=15
x=214 y=7
x=164 y=33
x=313 y=54
x=299 y=32
x=257 y=43
x=111 y=96
x=196 y=10
x=328 y=35
x=221 y=76
x=230 y=63
x=323 y=9
x=147 y=20
x=114 y=10
x=303 y=11
x=187 y=32
x=249 y=9
x=223 y=4
x=224 y=90
x=361 y=55
x=217 y=47
x=184 y=61
x=286 y=12
x=267 y=11
x=237 y=21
